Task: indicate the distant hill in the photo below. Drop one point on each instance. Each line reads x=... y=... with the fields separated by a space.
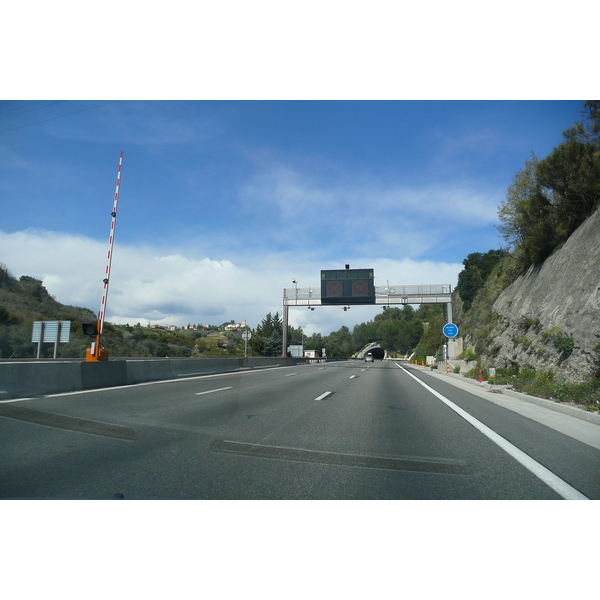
x=25 y=300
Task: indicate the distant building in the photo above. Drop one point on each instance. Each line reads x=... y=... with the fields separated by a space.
x=233 y=326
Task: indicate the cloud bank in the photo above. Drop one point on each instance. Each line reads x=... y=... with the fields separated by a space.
x=171 y=288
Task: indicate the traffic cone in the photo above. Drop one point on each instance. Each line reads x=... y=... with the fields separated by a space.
x=480 y=374
x=448 y=370
x=422 y=363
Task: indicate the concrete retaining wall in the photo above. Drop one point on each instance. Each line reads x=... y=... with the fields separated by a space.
x=36 y=378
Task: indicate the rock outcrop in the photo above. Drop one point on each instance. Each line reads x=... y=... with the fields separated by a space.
x=549 y=318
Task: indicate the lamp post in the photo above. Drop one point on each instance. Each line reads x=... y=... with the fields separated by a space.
x=285 y=318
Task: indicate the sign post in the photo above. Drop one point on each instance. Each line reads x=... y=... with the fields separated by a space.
x=246 y=335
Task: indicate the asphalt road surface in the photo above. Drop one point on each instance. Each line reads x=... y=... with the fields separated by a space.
x=346 y=430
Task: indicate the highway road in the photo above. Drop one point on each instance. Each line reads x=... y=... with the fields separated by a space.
x=339 y=430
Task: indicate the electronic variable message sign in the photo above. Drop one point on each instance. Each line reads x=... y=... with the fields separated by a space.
x=348 y=286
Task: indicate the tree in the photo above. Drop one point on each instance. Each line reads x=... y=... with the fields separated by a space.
x=4 y=314
x=406 y=313
x=571 y=174
x=478 y=268
x=588 y=130
x=34 y=287
x=295 y=335
x=267 y=339
x=433 y=338
x=339 y=343
x=314 y=342
x=550 y=198
x=387 y=333
x=6 y=279
x=511 y=212
x=364 y=333
x=528 y=216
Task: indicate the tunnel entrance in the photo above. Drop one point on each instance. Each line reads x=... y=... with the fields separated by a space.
x=378 y=353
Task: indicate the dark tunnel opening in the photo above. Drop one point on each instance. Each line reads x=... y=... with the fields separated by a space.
x=378 y=353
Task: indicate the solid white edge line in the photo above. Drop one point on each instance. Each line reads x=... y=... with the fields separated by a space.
x=211 y=391
x=548 y=477
x=322 y=396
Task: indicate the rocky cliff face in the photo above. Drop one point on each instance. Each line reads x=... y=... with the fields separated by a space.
x=549 y=318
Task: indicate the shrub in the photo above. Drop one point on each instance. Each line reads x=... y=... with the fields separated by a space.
x=506 y=376
x=469 y=355
x=564 y=344
x=528 y=322
x=523 y=340
x=473 y=373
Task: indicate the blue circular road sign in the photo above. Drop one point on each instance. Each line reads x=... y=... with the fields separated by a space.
x=450 y=330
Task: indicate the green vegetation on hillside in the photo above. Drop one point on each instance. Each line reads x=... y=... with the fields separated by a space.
x=478 y=267
x=546 y=202
x=397 y=330
x=551 y=197
x=25 y=300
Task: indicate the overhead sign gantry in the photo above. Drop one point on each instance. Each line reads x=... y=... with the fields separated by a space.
x=346 y=287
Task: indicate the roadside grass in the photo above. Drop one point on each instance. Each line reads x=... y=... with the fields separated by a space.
x=544 y=384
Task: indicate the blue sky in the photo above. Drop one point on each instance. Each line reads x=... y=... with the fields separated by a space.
x=222 y=203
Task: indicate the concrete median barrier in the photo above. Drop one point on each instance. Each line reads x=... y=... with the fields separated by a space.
x=23 y=379
x=33 y=378
x=139 y=371
x=103 y=374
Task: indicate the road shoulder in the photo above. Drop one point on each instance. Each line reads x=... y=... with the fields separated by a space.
x=574 y=422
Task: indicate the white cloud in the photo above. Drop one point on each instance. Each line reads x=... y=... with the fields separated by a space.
x=170 y=288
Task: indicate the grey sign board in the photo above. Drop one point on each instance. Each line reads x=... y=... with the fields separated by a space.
x=53 y=331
